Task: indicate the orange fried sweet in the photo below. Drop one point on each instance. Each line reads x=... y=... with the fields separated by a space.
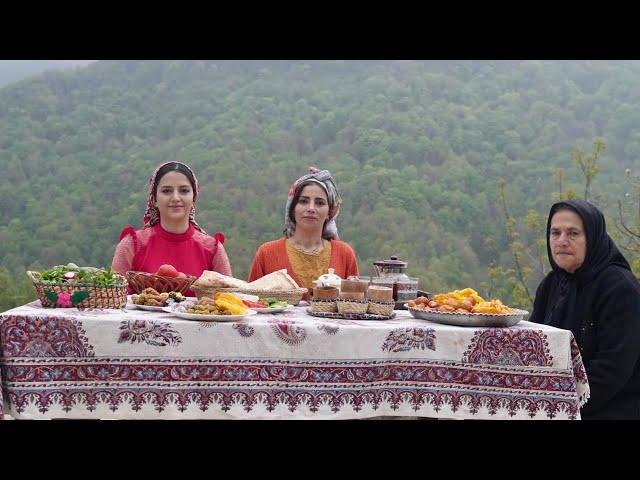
x=206 y=301
x=452 y=302
x=446 y=308
x=466 y=301
x=492 y=306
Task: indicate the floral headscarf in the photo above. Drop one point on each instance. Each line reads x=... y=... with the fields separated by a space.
x=325 y=180
x=152 y=215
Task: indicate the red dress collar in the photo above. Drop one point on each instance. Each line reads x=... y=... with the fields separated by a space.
x=174 y=237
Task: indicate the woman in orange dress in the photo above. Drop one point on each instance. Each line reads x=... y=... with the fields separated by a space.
x=310 y=245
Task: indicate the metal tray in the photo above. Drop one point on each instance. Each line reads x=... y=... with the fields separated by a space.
x=471 y=319
x=350 y=316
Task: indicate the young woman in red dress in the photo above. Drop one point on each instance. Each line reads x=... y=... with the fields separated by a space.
x=170 y=234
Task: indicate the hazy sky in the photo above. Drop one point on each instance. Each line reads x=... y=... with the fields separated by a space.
x=15 y=70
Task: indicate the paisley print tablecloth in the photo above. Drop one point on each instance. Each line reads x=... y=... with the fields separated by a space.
x=67 y=363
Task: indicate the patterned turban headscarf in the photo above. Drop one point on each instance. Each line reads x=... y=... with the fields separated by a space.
x=325 y=180
x=152 y=215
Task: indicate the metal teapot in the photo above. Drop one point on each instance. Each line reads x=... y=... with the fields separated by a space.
x=391 y=273
x=392 y=268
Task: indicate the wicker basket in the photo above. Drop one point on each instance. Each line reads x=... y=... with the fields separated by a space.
x=98 y=297
x=141 y=280
x=323 y=305
x=381 y=308
x=292 y=297
x=351 y=306
x=209 y=291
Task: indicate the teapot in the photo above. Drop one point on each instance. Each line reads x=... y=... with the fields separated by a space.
x=329 y=280
x=392 y=268
x=391 y=273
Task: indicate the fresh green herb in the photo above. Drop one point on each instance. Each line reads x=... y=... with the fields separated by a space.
x=71 y=273
x=278 y=304
x=273 y=303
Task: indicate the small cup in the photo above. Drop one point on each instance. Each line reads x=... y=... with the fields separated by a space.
x=382 y=282
x=380 y=293
x=407 y=289
x=354 y=285
x=325 y=293
x=351 y=295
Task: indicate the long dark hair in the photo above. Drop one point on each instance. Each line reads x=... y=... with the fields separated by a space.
x=175 y=167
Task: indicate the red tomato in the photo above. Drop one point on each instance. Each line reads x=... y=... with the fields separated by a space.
x=251 y=304
x=181 y=275
x=167 y=271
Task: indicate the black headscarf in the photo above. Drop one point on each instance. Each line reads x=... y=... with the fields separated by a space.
x=601 y=251
x=556 y=307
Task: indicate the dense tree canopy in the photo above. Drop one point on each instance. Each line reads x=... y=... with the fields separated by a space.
x=417 y=149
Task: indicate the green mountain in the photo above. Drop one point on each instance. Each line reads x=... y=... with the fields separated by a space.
x=416 y=147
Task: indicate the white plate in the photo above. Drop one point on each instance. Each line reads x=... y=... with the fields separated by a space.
x=151 y=308
x=209 y=318
x=148 y=307
x=271 y=310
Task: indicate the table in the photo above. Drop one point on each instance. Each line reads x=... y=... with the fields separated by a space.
x=134 y=364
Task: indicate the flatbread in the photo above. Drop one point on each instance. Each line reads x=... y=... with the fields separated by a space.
x=210 y=279
x=277 y=281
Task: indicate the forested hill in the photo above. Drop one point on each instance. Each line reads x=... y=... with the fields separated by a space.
x=416 y=147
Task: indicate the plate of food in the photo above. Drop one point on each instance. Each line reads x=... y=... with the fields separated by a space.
x=152 y=300
x=465 y=308
x=224 y=308
x=209 y=317
x=267 y=305
x=469 y=319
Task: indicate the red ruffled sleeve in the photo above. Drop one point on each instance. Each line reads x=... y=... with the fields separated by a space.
x=130 y=231
x=219 y=236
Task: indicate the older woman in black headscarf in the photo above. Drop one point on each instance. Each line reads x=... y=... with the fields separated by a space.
x=592 y=292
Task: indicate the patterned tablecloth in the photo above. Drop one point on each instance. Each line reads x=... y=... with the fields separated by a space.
x=67 y=363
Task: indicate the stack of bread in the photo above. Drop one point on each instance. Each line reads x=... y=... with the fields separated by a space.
x=279 y=285
x=210 y=279
x=278 y=281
